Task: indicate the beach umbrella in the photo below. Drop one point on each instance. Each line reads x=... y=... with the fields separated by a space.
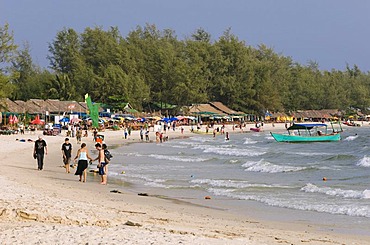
x=15 y=119
x=64 y=120
x=37 y=120
x=11 y=120
x=166 y=119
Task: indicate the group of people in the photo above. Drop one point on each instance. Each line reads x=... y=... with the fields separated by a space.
x=82 y=158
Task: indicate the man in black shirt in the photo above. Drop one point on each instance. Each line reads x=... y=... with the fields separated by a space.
x=39 y=150
x=67 y=154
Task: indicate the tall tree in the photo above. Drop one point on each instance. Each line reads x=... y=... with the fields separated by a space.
x=7 y=49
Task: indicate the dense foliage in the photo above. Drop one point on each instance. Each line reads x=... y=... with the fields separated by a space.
x=150 y=65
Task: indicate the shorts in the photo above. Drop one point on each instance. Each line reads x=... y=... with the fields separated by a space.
x=66 y=160
x=101 y=168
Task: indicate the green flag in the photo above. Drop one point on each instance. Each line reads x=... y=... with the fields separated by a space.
x=93 y=111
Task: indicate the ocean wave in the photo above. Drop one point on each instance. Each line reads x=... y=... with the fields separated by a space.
x=310 y=188
x=170 y=158
x=188 y=143
x=238 y=184
x=339 y=157
x=249 y=141
x=357 y=210
x=178 y=159
x=199 y=139
x=203 y=147
x=364 y=162
x=233 y=161
x=310 y=153
x=177 y=146
x=267 y=167
x=227 y=150
x=350 y=138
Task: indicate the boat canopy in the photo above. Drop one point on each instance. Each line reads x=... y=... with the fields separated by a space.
x=308 y=126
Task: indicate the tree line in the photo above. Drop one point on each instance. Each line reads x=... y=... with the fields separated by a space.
x=151 y=65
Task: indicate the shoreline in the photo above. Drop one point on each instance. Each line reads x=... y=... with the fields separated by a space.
x=52 y=204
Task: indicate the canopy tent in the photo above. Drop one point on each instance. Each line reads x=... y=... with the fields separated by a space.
x=308 y=126
x=37 y=120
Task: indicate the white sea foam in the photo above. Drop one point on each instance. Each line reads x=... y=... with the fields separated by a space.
x=267 y=167
x=234 y=161
x=188 y=143
x=350 y=138
x=229 y=151
x=351 y=209
x=237 y=184
x=269 y=137
x=249 y=141
x=364 y=162
x=178 y=146
x=170 y=158
x=336 y=192
x=311 y=153
x=178 y=159
x=199 y=139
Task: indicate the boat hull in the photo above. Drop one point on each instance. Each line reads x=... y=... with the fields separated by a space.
x=298 y=139
x=255 y=129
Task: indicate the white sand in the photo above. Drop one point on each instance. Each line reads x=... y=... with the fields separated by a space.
x=52 y=207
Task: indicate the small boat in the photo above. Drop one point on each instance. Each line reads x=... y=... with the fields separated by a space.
x=255 y=129
x=308 y=132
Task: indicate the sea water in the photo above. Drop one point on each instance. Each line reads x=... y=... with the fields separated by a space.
x=326 y=182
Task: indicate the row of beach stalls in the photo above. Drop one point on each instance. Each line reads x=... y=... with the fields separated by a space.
x=52 y=111
x=217 y=111
x=38 y=111
x=56 y=112
x=305 y=116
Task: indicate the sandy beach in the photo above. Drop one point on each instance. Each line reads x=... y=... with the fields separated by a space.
x=53 y=207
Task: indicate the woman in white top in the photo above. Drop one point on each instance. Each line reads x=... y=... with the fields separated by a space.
x=82 y=156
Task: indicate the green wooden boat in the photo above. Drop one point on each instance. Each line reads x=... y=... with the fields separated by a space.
x=308 y=132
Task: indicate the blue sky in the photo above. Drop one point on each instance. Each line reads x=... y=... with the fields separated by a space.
x=330 y=32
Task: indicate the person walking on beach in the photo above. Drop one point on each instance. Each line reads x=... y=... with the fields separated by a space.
x=95 y=134
x=67 y=154
x=101 y=164
x=107 y=158
x=147 y=135
x=82 y=157
x=79 y=135
x=39 y=150
x=141 y=133
x=125 y=133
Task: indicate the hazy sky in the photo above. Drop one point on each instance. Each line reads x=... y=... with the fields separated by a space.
x=330 y=32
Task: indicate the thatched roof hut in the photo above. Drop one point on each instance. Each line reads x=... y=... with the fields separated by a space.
x=10 y=106
x=205 y=109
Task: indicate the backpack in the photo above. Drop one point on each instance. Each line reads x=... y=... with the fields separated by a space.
x=107 y=155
